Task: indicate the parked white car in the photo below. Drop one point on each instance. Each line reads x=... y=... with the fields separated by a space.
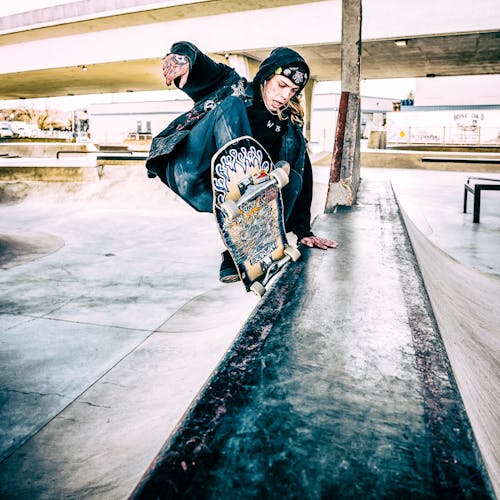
x=26 y=130
x=6 y=131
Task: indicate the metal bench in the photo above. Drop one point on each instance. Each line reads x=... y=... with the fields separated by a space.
x=111 y=155
x=484 y=184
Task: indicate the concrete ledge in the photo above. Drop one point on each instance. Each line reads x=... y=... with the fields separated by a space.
x=339 y=382
x=44 y=149
x=444 y=148
x=384 y=158
x=68 y=169
x=19 y=247
x=49 y=174
x=109 y=160
x=442 y=161
x=475 y=160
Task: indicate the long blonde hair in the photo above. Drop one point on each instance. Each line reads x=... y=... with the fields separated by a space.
x=294 y=109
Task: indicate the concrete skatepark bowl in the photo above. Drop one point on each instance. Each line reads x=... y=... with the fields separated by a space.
x=105 y=313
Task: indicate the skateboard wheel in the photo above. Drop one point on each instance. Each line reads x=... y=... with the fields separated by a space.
x=284 y=165
x=258 y=288
x=280 y=176
x=293 y=253
x=230 y=209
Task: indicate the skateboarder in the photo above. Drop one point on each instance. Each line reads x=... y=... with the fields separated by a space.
x=226 y=106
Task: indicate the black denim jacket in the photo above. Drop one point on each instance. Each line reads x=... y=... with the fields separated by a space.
x=210 y=83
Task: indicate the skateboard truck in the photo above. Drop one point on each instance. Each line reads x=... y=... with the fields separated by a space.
x=262 y=176
x=252 y=180
x=266 y=263
x=253 y=186
x=271 y=268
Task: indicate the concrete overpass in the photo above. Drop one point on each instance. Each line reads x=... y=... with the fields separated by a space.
x=120 y=42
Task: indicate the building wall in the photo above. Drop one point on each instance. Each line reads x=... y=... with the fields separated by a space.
x=473 y=90
x=113 y=123
x=458 y=110
x=116 y=122
x=451 y=125
x=324 y=118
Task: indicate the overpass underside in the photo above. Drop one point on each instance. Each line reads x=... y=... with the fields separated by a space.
x=121 y=44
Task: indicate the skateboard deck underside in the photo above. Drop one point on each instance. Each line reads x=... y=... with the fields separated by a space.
x=258 y=232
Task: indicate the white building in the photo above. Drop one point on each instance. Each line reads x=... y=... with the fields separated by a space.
x=324 y=118
x=446 y=110
x=115 y=123
x=462 y=110
x=474 y=90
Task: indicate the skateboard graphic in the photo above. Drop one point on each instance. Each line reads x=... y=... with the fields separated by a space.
x=248 y=208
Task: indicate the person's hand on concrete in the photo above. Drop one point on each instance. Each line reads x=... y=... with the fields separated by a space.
x=318 y=242
x=175 y=66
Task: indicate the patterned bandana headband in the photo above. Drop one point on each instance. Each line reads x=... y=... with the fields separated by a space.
x=295 y=74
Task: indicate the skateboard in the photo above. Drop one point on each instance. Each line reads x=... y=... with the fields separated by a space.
x=248 y=209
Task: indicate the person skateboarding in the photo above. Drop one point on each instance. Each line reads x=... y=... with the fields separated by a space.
x=227 y=106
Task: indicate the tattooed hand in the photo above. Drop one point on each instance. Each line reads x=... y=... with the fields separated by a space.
x=175 y=66
x=316 y=241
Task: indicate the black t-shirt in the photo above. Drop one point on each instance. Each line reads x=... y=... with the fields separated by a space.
x=267 y=128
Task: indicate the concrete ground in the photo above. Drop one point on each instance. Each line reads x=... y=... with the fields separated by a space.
x=112 y=319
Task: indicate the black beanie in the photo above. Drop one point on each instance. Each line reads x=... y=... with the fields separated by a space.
x=286 y=62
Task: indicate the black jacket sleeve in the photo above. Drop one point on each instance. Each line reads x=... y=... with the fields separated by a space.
x=205 y=75
x=299 y=221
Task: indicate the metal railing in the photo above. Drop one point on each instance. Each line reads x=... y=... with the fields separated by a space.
x=125 y=155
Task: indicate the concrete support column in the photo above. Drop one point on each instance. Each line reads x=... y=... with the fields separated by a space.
x=240 y=64
x=308 y=93
x=344 y=171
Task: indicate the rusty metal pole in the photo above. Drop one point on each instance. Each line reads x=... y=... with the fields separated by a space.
x=344 y=172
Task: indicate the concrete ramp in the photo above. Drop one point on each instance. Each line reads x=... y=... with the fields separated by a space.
x=107 y=187
x=465 y=302
x=109 y=324
x=338 y=386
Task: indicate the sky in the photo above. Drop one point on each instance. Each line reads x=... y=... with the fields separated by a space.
x=397 y=88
